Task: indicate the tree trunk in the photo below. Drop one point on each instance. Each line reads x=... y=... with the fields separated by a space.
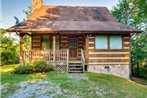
x=138 y=69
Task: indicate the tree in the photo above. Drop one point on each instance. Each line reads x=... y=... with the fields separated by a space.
x=134 y=13
x=28 y=11
x=9 y=48
x=8 y=52
x=26 y=38
x=138 y=51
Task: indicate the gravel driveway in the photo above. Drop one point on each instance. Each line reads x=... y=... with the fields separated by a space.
x=41 y=89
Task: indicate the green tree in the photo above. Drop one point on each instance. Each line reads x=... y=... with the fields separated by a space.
x=9 y=49
x=139 y=53
x=26 y=38
x=28 y=11
x=131 y=12
x=134 y=13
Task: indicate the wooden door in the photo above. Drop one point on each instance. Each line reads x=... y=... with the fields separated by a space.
x=73 y=45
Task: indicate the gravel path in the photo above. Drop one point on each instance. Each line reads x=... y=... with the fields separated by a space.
x=78 y=76
x=39 y=89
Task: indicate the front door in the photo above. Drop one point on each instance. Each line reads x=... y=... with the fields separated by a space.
x=73 y=48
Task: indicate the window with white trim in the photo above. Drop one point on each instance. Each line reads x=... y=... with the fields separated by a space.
x=101 y=42
x=115 y=42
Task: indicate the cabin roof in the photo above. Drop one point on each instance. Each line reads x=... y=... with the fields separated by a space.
x=71 y=18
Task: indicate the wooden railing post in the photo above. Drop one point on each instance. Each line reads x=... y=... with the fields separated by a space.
x=67 y=59
x=54 y=48
x=83 y=60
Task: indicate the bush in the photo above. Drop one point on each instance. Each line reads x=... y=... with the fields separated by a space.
x=42 y=66
x=37 y=66
x=9 y=49
x=24 y=69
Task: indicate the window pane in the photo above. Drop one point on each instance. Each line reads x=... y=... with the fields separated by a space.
x=46 y=42
x=101 y=42
x=115 y=42
x=73 y=43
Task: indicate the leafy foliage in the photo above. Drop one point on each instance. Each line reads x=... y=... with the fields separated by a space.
x=42 y=66
x=134 y=13
x=28 y=11
x=27 y=39
x=24 y=69
x=145 y=71
x=35 y=67
x=139 y=55
x=26 y=45
x=139 y=48
x=9 y=49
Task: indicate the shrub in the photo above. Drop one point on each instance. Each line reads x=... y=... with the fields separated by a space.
x=24 y=69
x=42 y=66
x=9 y=49
x=37 y=66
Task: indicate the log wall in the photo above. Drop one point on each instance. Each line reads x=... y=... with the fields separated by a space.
x=109 y=56
x=64 y=42
x=109 y=61
x=36 y=42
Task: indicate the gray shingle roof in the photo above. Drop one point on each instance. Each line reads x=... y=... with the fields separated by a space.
x=67 y=18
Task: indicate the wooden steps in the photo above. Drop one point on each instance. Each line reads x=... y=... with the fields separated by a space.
x=75 y=67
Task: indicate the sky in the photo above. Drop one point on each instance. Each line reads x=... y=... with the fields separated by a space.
x=11 y=8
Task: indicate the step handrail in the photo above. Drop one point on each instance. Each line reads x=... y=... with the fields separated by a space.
x=67 y=59
x=83 y=59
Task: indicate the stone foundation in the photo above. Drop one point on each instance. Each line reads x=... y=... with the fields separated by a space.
x=117 y=70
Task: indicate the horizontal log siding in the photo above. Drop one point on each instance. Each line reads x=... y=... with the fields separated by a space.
x=81 y=45
x=36 y=42
x=109 y=56
x=64 y=39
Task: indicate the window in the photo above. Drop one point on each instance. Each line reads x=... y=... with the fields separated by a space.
x=73 y=43
x=46 y=42
x=101 y=42
x=115 y=42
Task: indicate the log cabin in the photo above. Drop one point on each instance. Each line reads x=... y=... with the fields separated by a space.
x=77 y=38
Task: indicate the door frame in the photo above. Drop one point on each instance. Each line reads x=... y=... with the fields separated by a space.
x=76 y=48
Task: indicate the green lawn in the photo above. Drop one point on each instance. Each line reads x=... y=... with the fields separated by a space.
x=97 y=85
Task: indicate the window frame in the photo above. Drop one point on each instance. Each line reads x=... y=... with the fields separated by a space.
x=101 y=48
x=51 y=41
x=121 y=42
x=108 y=42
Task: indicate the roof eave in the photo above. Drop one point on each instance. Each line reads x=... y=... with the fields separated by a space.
x=84 y=31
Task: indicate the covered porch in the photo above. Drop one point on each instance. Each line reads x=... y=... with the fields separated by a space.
x=60 y=50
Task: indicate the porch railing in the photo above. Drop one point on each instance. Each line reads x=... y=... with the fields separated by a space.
x=83 y=59
x=30 y=56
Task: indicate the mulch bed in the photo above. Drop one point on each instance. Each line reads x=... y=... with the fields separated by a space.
x=140 y=80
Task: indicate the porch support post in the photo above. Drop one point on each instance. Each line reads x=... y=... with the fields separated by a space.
x=86 y=48
x=54 y=48
x=21 y=58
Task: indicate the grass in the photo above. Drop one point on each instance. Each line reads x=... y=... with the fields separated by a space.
x=98 y=85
